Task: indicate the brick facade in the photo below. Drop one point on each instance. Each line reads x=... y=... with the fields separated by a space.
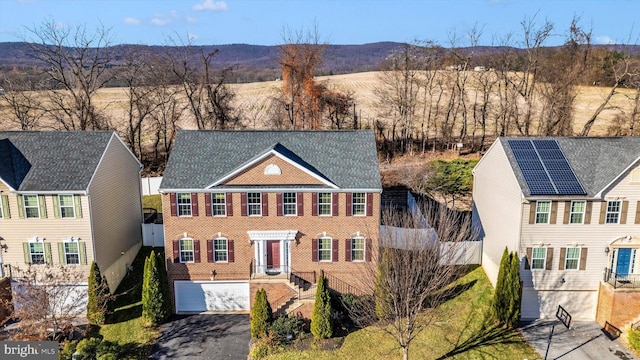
x=618 y=307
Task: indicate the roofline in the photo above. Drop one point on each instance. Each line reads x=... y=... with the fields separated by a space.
x=482 y=157
x=51 y=192
x=9 y=186
x=270 y=189
x=264 y=156
x=606 y=187
x=104 y=152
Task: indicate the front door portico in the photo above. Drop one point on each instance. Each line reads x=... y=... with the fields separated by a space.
x=272 y=250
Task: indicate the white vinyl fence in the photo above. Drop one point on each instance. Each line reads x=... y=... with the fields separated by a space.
x=153 y=235
x=150 y=185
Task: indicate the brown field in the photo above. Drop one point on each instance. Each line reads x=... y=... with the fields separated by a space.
x=253 y=97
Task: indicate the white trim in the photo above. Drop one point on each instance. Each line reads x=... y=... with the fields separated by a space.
x=261 y=235
x=606 y=187
x=104 y=152
x=264 y=156
x=265 y=189
x=49 y=192
x=10 y=188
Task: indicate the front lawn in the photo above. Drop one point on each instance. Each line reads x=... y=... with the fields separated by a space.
x=464 y=332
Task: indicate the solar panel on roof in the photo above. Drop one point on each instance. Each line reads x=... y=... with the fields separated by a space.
x=545 y=168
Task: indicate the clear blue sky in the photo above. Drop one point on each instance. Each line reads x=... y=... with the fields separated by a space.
x=262 y=22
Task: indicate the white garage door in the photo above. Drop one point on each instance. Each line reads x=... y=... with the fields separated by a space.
x=198 y=296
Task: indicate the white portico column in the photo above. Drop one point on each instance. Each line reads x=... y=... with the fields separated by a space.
x=260 y=238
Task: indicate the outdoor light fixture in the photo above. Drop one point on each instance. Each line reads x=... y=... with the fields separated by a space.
x=606 y=250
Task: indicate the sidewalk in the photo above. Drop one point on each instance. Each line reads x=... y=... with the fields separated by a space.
x=584 y=340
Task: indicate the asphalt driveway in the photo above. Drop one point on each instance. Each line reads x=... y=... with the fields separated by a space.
x=585 y=340
x=204 y=336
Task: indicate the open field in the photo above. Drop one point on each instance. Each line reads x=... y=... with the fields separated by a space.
x=253 y=97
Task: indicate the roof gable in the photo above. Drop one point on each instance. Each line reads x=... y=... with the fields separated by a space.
x=342 y=159
x=51 y=160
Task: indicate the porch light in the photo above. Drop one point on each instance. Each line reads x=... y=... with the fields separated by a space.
x=213 y=275
x=606 y=250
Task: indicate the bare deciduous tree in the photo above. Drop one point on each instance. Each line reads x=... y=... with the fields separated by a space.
x=24 y=104
x=77 y=66
x=415 y=273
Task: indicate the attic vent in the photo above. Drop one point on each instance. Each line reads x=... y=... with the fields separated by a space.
x=272 y=169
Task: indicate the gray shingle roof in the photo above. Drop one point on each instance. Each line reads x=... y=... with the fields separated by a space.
x=50 y=160
x=596 y=161
x=346 y=158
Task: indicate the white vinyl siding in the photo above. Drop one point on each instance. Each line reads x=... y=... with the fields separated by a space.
x=543 y=211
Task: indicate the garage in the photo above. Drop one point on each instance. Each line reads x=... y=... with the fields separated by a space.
x=199 y=296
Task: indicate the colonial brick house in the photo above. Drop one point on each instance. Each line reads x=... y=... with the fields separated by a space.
x=570 y=207
x=268 y=209
x=69 y=198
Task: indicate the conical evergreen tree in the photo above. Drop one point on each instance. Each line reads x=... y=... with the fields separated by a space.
x=98 y=296
x=153 y=301
x=514 y=307
x=500 y=296
x=321 y=321
x=261 y=314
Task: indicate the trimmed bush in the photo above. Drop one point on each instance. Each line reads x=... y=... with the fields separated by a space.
x=261 y=315
x=88 y=347
x=634 y=339
x=286 y=328
x=321 y=321
x=154 y=308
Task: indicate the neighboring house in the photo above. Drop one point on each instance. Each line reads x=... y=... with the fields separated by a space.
x=570 y=207
x=245 y=209
x=69 y=198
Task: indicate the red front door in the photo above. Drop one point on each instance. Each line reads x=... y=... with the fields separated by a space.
x=273 y=254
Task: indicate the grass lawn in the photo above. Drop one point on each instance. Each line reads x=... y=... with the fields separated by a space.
x=464 y=332
x=153 y=202
x=125 y=325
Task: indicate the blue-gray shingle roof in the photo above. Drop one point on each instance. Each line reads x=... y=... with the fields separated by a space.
x=596 y=161
x=51 y=160
x=347 y=159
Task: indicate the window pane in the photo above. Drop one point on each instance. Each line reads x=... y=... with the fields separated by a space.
x=218 y=201
x=359 y=202
x=289 y=203
x=71 y=253
x=357 y=249
x=324 y=204
x=67 y=207
x=577 y=212
x=184 y=204
x=572 y=258
x=542 y=212
x=220 y=246
x=186 y=250
x=613 y=212
x=37 y=253
x=31 y=207
x=254 y=204
x=539 y=256
x=324 y=249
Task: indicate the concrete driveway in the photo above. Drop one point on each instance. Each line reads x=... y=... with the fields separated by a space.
x=204 y=336
x=583 y=341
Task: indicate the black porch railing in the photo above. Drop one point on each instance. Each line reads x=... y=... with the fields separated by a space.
x=339 y=286
x=627 y=281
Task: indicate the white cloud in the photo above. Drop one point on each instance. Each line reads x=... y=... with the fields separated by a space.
x=191 y=20
x=160 y=20
x=604 y=39
x=131 y=21
x=210 y=5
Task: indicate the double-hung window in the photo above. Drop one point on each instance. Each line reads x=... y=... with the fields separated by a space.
x=324 y=204
x=219 y=204
x=71 y=253
x=254 y=204
x=324 y=249
x=67 y=206
x=289 y=206
x=1 y=206
x=184 y=204
x=36 y=253
x=613 y=212
x=543 y=211
x=186 y=250
x=220 y=250
x=572 y=258
x=359 y=204
x=538 y=258
x=31 y=206
x=357 y=249
x=576 y=215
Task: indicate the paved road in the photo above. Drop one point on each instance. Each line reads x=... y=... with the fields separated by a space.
x=583 y=341
x=204 y=336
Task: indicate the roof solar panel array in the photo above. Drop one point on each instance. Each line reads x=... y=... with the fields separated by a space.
x=545 y=168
